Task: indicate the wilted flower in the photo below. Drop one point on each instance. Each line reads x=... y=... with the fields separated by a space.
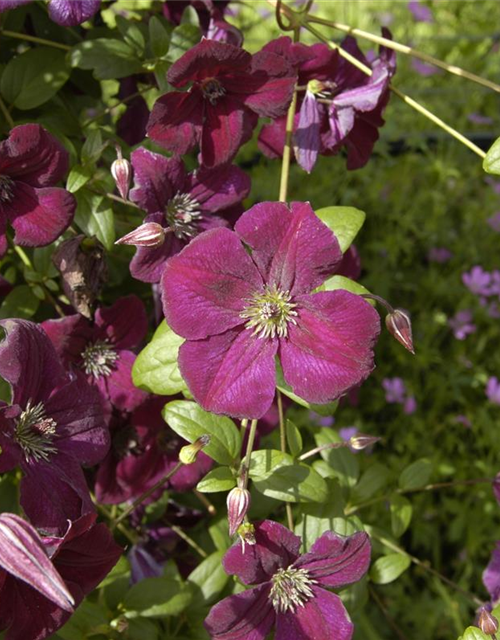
x=291 y=592
x=230 y=90
x=461 y=324
x=493 y=390
x=32 y=161
x=53 y=427
x=238 y=311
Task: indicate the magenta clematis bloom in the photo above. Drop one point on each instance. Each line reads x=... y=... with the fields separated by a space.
x=67 y=13
x=102 y=349
x=291 y=592
x=182 y=203
x=53 y=427
x=238 y=311
x=230 y=90
x=32 y=161
x=80 y=559
x=341 y=107
x=143 y=450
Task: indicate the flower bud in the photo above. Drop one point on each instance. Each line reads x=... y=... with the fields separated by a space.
x=149 y=234
x=238 y=503
x=189 y=453
x=121 y=171
x=487 y=622
x=362 y=441
x=399 y=325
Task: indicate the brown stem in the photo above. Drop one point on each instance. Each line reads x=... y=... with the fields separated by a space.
x=386 y=614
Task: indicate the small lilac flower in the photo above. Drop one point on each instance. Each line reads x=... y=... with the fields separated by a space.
x=420 y=11
x=395 y=390
x=477 y=280
x=184 y=204
x=102 y=349
x=143 y=564
x=439 y=255
x=238 y=311
x=410 y=405
x=53 y=427
x=346 y=433
x=494 y=222
x=32 y=161
x=461 y=324
x=491 y=575
x=423 y=69
x=493 y=390
x=291 y=591
x=478 y=118
x=230 y=90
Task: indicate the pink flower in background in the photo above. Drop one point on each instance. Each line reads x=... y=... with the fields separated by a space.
x=494 y=221
x=439 y=254
x=396 y=393
x=493 y=390
x=461 y=324
x=477 y=280
x=420 y=11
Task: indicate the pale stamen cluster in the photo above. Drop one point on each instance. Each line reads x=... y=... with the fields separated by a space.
x=269 y=313
x=182 y=214
x=291 y=589
x=34 y=433
x=98 y=359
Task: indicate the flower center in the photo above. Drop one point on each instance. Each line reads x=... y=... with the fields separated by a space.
x=34 y=433
x=269 y=313
x=212 y=90
x=6 y=185
x=98 y=359
x=182 y=214
x=326 y=89
x=126 y=442
x=291 y=588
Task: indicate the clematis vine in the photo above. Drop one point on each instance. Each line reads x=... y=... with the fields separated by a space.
x=229 y=90
x=292 y=589
x=238 y=311
x=182 y=204
x=53 y=427
x=102 y=349
x=32 y=161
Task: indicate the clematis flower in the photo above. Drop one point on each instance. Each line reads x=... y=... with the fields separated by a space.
x=67 y=13
x=102 y=349
x=238 y=311
x=494 y=222
x=77 y=563
x=230 y=90
x=32 y=161
x=183 y=203
x=292 y=590
x=53 y=427
x=341 y=107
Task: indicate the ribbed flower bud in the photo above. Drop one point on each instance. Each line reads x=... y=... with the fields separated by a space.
x=121 y=171
x=399 y=325
x=361 y=441
x=189 y=453
x=149 y=234
x=238 y=503
x=487 y=622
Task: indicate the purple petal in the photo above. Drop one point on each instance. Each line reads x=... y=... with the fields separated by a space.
x=272 y=136
x=12 y=4
x=420 y=11
x=491 y=575
x=233 y=373
x=360 y=142
x=143 y=564
x=207 y=285
x=176 y=121
x=156 y=178
x=276 y=547
x=341 y=122
x=245 y=616
x=118 y=386
x=335 y=561
x=220 y=188
x=70 y=13
x=306 y=138
x=366 y=97
x=124 y=324
x=70 y=336
x=323 y=616
x=330 y=349
x=292 y=247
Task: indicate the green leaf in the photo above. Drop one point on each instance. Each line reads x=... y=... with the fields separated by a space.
x=34 y=77
x=293 y=438
x=190 y=421
x=5 y=394
x=323 y=409
x=373 y=479
x=131 y=33
x=416 y=475
x=208 y=580
x=110 y=59
x=78 y=177
x=342 y=461
x=42 y=261
x=88 y=619
x=159 y=37
x=95 y=217
x=183 y=38
x=491 y=164
x=21 y=302
x=473 y=633
x=388 y=568
x=341 y=282
x=155 y=368
x=401 y=512
x=345 y=222
x=219 y=479
x=157 y=597
x=92 y=147
x=264 y=461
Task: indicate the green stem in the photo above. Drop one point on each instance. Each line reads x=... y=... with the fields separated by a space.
x=194 y=545
x=25 y=36
x=248 y=453
x=6 y=113
x=131 y=537
x=279 y=397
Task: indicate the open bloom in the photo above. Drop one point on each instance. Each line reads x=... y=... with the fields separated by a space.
x=102 y=349
x=53 y=427
x=32 y=161
x=183 y=204
x=230 y=89
x=291 y=592
x=238 y=311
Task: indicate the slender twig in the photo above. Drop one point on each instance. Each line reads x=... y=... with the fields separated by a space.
x=386 y=614
x=288 y=506
x=189 y=540
x=131 y=537
x=323 y=447
x=112 y=196
x=205 y=502
x=248 y=453
x=25 y=36
x=6 y=113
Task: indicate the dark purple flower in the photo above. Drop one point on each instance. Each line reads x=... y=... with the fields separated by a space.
x=183 y=203
x=461 y=324
x=32 y=161
x=342 y=106
x=5 y=287
x=230 y=90
x=82 y=558
x=70 y=13
x=477 y=280
x=491 y=575
x=53 y=427
x=238 y=311
x=493 y=390
x=350 y=267
x=292 y=590
x=131 y=127
x=102 y=348
x=420 y=11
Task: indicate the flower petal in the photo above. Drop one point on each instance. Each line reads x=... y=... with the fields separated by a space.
x=148 y=263
x=272 y=137
x=276 y=547
x=124 y=324
x=207 y=285
x=4 y=245
x=491 y=575
x=233 y=373
x=69 y=13
x=335 y=561
x=176 y=121
x=118 y=386
x=156 y=178
x=217 y=189
x=324 y=616
x=292 y=247
x=307 y=141
x=248 y=615
x=330 y=349
x=70 y=336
